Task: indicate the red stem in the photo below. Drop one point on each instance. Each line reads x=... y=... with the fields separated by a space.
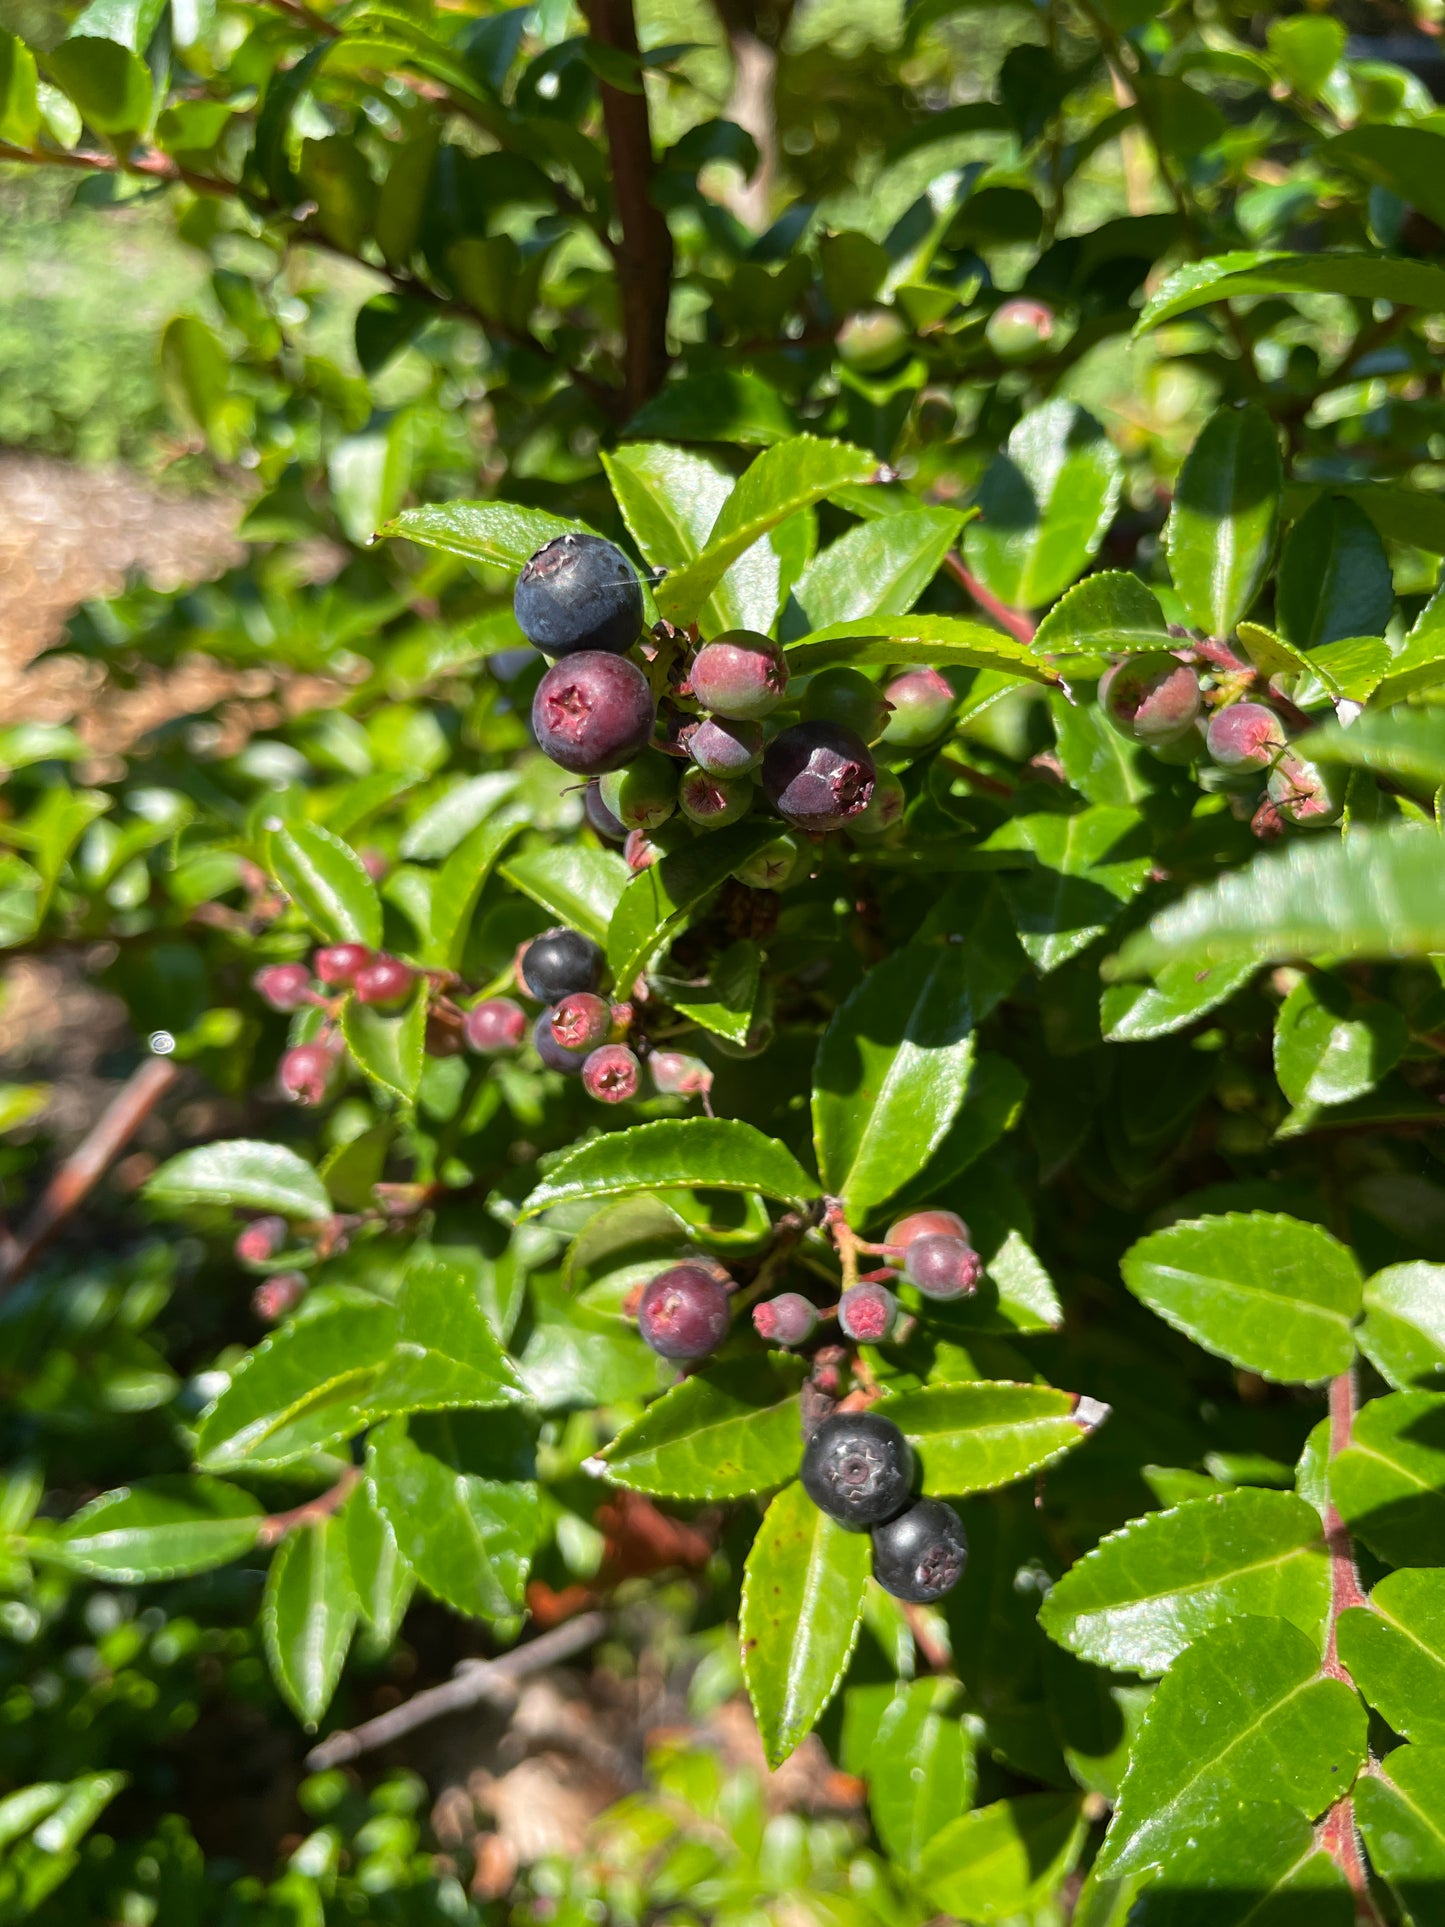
x=276 y=1527
x=1345 y=1589
x=1017 y=624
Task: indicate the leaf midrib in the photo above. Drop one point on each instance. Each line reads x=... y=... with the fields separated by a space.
x=1199 y=1585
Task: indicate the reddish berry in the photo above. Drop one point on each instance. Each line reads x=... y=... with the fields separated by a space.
x=741 y=675
x=592 y=712
x=1245 y=736
x=307 y=1072
x=607 y=826
x=1017 y=330
x=639 y=851
x=857 y=1468
x=578 y=592
x=1303 y=793
x=260 y=1240
x=675 y=1074
x=868 y=1313
x=611 y=1074
x=846 y=696
x=684 y=1313
x=1152 y=699
x=943 y=1267
x=787 y=1319
x=922 y=703
x=384 y=982
x=926 y=1224
x=920 y=1555
x=713 y=801
x=581 y=1021
x=274 y=1297
x=284 y=986
x=495 y=1025
x=725 y=748
x=338 y=963
x=560 y=962
x=818 y=775
x=552 y=1054
x=374 y=864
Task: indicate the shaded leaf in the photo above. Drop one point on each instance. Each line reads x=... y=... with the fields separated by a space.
x=328 y=883
x=1389 y=1482
x=1225 y=516
x=1044 y=504
x=1001 y=1860
x=1403 y=1333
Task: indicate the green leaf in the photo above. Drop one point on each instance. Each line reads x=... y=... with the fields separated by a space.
x=499 y=534
x=1003 y=1860
x=1330 y=1046
x=1419 y=663
x=1305 y=50
x=467 y=1535
x=714 y=1154
x=1403 y=1334
x=1334 y=575
x=1242 y=1714
x=1085 y=868
x=1108 y=613
x=302 y=1388
x=308 y=1614
x=728 y=1430
x=1374 y=893
x=944 y=642
x=582 y=888
x=891 y=1071
x=108 y=83
x=973 y=1437
x=1255 y=1865
x=446 y=1354
x=1405 y=743
x=670 y=498
x=658 y=901
x=802 y=1606
x=383 y=1580
x=467 y=804
x=921 y=1770
x=1394 y=1651
x=390 y=1046
x=991 y=1106
x=165 y=1528
x=1365 y=277
x=1044 y=505
x=1408 y=161
x=459 y=883
x=1400 y=1807
x=240 y=1171
x=1222 y=526
x=790 y=476
x=328 y=883
x=19 y=114
x=723 y=405
x=1182 y=990
x=878 y=569
x=1389 y=1482
x=1270 y=1293
x=727 y=1002
x=1137 y=1600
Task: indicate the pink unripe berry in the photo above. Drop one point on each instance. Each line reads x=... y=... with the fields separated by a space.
x=274 y=1297
x=713 y=801
x=307 y=1072
x=926 y=1224
x=675 y=1074
x=260 y=1240
x=741 y=675
x=943 y=1267
x=1245 y=736
x=787 y=1319
x=1303 y=793
x=385 y=982
x=922 y=704
x=1018 y=329
x=284 y=986
x=495 y=1025
x=639 y=852
x=338 y=963
x=611 y=1074
x=1152 y=698
x=725 y=748
x=374 y=864
x=684 y=1313
x=581 y=1021
x=868 y=1313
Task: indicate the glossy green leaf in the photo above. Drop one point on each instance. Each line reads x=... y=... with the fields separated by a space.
x=921 y=1771
x=302 y=1388
x=971 y=1438
x=1044 y=505
x=945 y=642
x=308 y=1614
x=1002 y=1860
x=879 y=568
x=1400 y=1807
x=657 y=902
x=390 y=1046
x=1367 y=277
x=580 y=887
x=726 y=1001
x=1330 y=1046
x=1403 y=1333
x=1389 y=1482
x=721 y=1154
x=164 y=1528
x=726 y=1431
x=328 y=883
x=1222 y=526
x=467 y=1533
x=1394 y=1651
x=1334 y=576
x=499 y=534
x=723 y=405
x=383 y=1580
x=1242 y=1714
x=670 y=498
x=446 y=1354
x=1256 y=1865
x=992 y=1102
x=1408 y=161
x=464 y=806
x=240 y=1171
x=109 y=83
x=802 y=1605
x=1405 y=743
x=1110 y=612
x=1419 y=663
x=1138 y=1599
x=891 y=1071
x=1182 y=990
x=460 y=881
x=1083 y=869
x=19 y=112
x=1270 y=1293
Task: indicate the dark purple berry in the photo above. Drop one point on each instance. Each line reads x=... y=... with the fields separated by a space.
x=611 y=1074
x=1303 y=793
x=644 y=794
x=675 y=1074
x=385 y=982
x=1152 y=699
x=579 y=593
x=714 y=801
x=726 y=748
x=922 y=704
x=846 y=696
x=1018 y=330
x=607 y=826
x=818 y=775
x=920 y=1555
x=943 y=1267
x=284 y=986
x=559 y=962
x=581 y=1021
x=274 y=1297
x=307 y=1072
x=338 y=963
x=741 y=675
x=787 y=1319
x=495 y=1025
x=684 y=1313
x=858 y=1468
x=261 y=1240
x=553 y=1054
x=868 y=1314
x=926 y=1224
x=592 y=712
x=885 y=807
x=1245 y=736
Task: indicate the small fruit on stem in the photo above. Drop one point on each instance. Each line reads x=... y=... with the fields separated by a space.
x=848 y=697
x=607 y=826
x=943 y=1267
x=307 y=1072
x=552 y=1054
x=788 y=1319
x=1018 y=330
x=684 y=1313
x=1303 y=793
x=858 y=1468
x=579 y=592
x=871 y=340
x=274 y=1297
x=1152 y=698
x=592 y=712
x=926 y=1224
x=920 y=1555
x=644 y=794
x=741 y=675
x=495 y=1025
x=775 y=865
x=581 y=1021
x=868 y=1314
x=714 y=801
x=922 y=703
x=560 y=962
x=885 y=807
x=725 y=748
x=1245 y=736
x=284 y=986
x=675 y=1074
x=261 y=1240
x=338 y=963
x=611 y=1074
x=384 y=983
x=818 y=775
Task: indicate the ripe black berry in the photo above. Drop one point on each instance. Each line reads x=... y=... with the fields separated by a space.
x=818 y=775
x=579 y=593
x=858 y=1468
x=553 y=1054
x=592 y=712
x=684 y=1313
x=559 y=962
x=920 y=1555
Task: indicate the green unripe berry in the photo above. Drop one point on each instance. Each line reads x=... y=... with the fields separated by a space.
x=872 y=340
x=776 y=865
x=1020 y=329
x=922 y=703
x=846 y=696
x=644 y=793
x=885 y=807
x=713 y=801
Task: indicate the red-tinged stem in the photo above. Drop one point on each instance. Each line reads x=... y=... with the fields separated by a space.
x=1016 y=623
x=1345 y=1590
x=276 y=1527
x=1341 y=1842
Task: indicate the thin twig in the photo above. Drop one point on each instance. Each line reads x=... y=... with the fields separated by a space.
x=87 y=1164
x=476 y=1680
x=274 y=1529
x=1014 y=621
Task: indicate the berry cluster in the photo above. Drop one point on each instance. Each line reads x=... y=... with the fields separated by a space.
x=1161 y=702
x=704 y=731
x=858 y=1468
